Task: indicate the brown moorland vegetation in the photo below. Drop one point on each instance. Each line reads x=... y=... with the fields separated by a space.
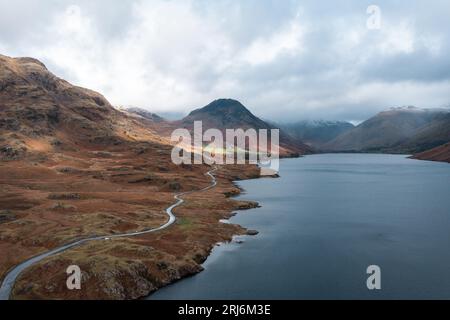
x=72 y=167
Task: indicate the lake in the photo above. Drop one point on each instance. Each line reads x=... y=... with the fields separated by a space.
x=324 y=222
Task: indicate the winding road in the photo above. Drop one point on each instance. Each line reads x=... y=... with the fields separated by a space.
x=11 y=277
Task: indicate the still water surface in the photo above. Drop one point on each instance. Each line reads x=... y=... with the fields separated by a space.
x=324 y=222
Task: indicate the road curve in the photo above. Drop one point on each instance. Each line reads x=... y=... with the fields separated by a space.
x=11 y=277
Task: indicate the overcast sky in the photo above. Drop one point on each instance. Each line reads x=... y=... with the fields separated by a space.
x=285 y=60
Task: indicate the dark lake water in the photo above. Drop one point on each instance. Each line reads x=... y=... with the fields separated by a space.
x=324 y=222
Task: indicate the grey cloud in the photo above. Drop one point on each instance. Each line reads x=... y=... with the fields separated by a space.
x=418 y=66
x=172 y=55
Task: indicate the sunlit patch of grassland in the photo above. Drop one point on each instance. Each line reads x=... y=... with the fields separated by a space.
x=185 y=223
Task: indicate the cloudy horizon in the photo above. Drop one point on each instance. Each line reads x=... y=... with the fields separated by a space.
x=284 y=60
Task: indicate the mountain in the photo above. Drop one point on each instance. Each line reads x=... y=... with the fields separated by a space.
x=143 y=113
x=441 y=153
x=399 y=130
x=225 y=114
x=41 y=112
x=316 y=133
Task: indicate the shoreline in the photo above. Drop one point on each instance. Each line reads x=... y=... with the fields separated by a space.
x=253 y=233
x=242 y=191
x=233 y=272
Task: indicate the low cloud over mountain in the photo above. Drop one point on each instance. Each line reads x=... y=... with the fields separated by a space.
x=304 y=58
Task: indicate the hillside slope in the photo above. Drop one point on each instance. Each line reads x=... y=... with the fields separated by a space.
x=41 y=112
x=400 y=130
x=433 y=134
x=441 y=153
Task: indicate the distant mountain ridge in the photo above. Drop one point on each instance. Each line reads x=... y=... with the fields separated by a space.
x=399 y=130
x=40 y=111
x=143 y=113
x=317 y=132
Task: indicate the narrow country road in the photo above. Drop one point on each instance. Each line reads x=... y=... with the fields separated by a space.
x=10 y=278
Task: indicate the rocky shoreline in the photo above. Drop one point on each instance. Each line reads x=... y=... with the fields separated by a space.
x=202 y=259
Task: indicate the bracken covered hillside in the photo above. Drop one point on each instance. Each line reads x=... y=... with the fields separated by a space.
x=72 y=166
